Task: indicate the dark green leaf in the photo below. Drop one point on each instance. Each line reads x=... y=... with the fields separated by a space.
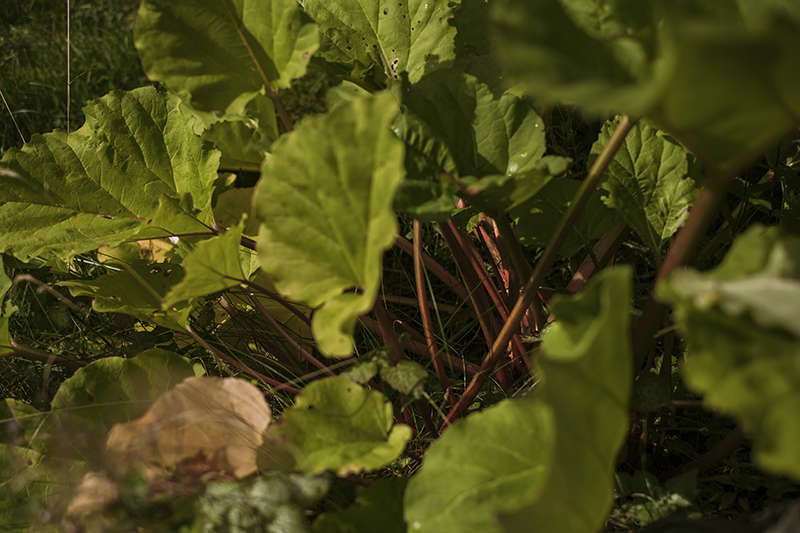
x=378 y=508
x=651 y=182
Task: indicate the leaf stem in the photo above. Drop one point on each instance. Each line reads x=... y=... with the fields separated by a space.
x=243 y=368
x=425 y=313
x=288 y=338
x=686 y=240
x=542 y=266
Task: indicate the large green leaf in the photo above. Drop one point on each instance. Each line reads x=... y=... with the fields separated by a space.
x=493 y=461
x=412 y=36
x=563 y=55
x=336 y=425
x=676 y=64
x=224 y=52
x=651 y=181
x=547 y=459
x=325 y=205
x=378 y=508
x=134 y=170
x=139 y=290
x=214 y=265
x=588 y=349
x=453 y=125
x=537 y=218
x=741 y=324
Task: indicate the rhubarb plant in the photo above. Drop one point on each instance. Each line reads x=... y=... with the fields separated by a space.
x=438 y=131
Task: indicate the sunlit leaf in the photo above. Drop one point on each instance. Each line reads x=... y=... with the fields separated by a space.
x=740 y=322
x=651 y=182
x=135 y=170
x=325 y=205
x=335 y=425
x=413 y=36
x=494 y=460
x=547 y=459
x=587 y=349
x=224 y=52
x=225 y=418
x=213 y=266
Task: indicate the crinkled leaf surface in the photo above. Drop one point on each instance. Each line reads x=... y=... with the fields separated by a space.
x=675 y=64
x=741 y=324
x=134 y=170
x=336 y=425
x=275 y=503
x=139 y=290
x=111 y=391
x=452 y=124
x=224 y=52
x=651 y=181
x=215 y=416
x=412 y=36
x=214 y=265
x=325 y=205
x=537 y=218
x=378 y=508
x=547 y=459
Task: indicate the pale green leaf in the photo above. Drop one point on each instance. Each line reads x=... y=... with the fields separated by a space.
x=138 y=290
x=412 y=36
x=537 y=218
x=587 y=368
x=547 y=459
x=213 y=266
x=224 y=52
x=135 y=158
x=740 y=323
x=325 y=205
x=651 y=182
x=378 y=508
x=494 y=460
x=335 y=425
